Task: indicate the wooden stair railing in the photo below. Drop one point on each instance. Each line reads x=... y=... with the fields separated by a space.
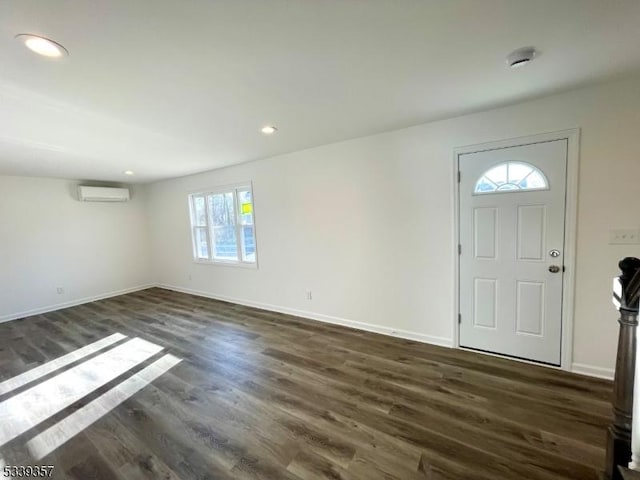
x=626 y=294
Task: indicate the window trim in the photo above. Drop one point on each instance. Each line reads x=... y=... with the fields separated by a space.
x=229 y=188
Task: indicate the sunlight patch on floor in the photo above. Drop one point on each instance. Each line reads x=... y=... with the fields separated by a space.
x=46 y=442
x=27 y=409
x=44 y=369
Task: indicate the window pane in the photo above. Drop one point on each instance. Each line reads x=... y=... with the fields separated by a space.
x=223 y=225
x=202 y=247
x=248 y=244
x=199 y=212
x=221 y=209
x=224 y=241
x=246 y=207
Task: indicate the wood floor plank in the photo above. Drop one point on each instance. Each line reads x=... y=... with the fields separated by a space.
x=264 y=395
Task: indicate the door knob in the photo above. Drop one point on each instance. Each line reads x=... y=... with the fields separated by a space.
x=554 y=253
x=554 y=268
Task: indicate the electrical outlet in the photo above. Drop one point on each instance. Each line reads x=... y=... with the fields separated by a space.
x=60 y=290
x=624 y=237
x=309 y=296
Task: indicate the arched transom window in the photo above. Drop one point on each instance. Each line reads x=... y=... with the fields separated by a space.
x=511 y=176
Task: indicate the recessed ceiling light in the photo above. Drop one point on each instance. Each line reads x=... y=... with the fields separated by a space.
x=42 y=46
x=128 y=172
x=521 y=57
x=268 y=130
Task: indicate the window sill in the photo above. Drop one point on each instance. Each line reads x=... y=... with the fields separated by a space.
x=222 y=263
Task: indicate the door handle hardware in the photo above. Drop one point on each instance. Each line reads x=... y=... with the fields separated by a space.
x=554 y=268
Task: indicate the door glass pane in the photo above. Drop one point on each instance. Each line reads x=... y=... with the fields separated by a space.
x=224 y=241
x=534 y=180
x=221 y=209
x=199 y=212
x=248 y=244
x=511 y=176
x=202 y=246
x=497 y=175
x=485 y=185
x=517 y=171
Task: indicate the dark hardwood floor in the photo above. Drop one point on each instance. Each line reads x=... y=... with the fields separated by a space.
x=261 y=395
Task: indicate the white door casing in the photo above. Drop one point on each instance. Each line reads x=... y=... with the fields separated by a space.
x=509 y=301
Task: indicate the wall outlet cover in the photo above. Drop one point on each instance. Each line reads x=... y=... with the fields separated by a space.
x=624 y=236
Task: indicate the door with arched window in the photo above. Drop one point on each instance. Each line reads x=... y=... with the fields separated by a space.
x=512 y=219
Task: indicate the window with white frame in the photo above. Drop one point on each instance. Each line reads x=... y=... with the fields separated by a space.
x=222 y=225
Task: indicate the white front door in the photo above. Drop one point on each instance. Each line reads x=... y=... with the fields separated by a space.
x=512 y=216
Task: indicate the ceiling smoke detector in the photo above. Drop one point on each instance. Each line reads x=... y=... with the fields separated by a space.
x=521 y=57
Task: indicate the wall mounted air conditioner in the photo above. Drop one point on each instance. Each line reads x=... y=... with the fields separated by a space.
x=102 y=194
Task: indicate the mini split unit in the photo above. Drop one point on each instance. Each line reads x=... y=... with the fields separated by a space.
x=102 y=194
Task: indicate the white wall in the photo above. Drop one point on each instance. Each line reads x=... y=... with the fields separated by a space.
x=48 y=239
x=367 y=224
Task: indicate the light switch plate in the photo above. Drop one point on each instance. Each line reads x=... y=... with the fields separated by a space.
x=624 y=236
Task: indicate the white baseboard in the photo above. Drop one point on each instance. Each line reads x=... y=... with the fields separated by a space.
x=579 y=368
x=369 y=327
x=71 y=303
x=591 y=371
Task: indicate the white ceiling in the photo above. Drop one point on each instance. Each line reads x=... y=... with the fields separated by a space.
x=167 y=88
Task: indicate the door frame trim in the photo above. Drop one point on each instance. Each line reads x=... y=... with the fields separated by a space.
x=570 y=230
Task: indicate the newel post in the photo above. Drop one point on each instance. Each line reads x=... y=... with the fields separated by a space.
x=625 y=297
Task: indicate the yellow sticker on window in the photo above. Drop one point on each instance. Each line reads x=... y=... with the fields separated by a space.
x=246 y=208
